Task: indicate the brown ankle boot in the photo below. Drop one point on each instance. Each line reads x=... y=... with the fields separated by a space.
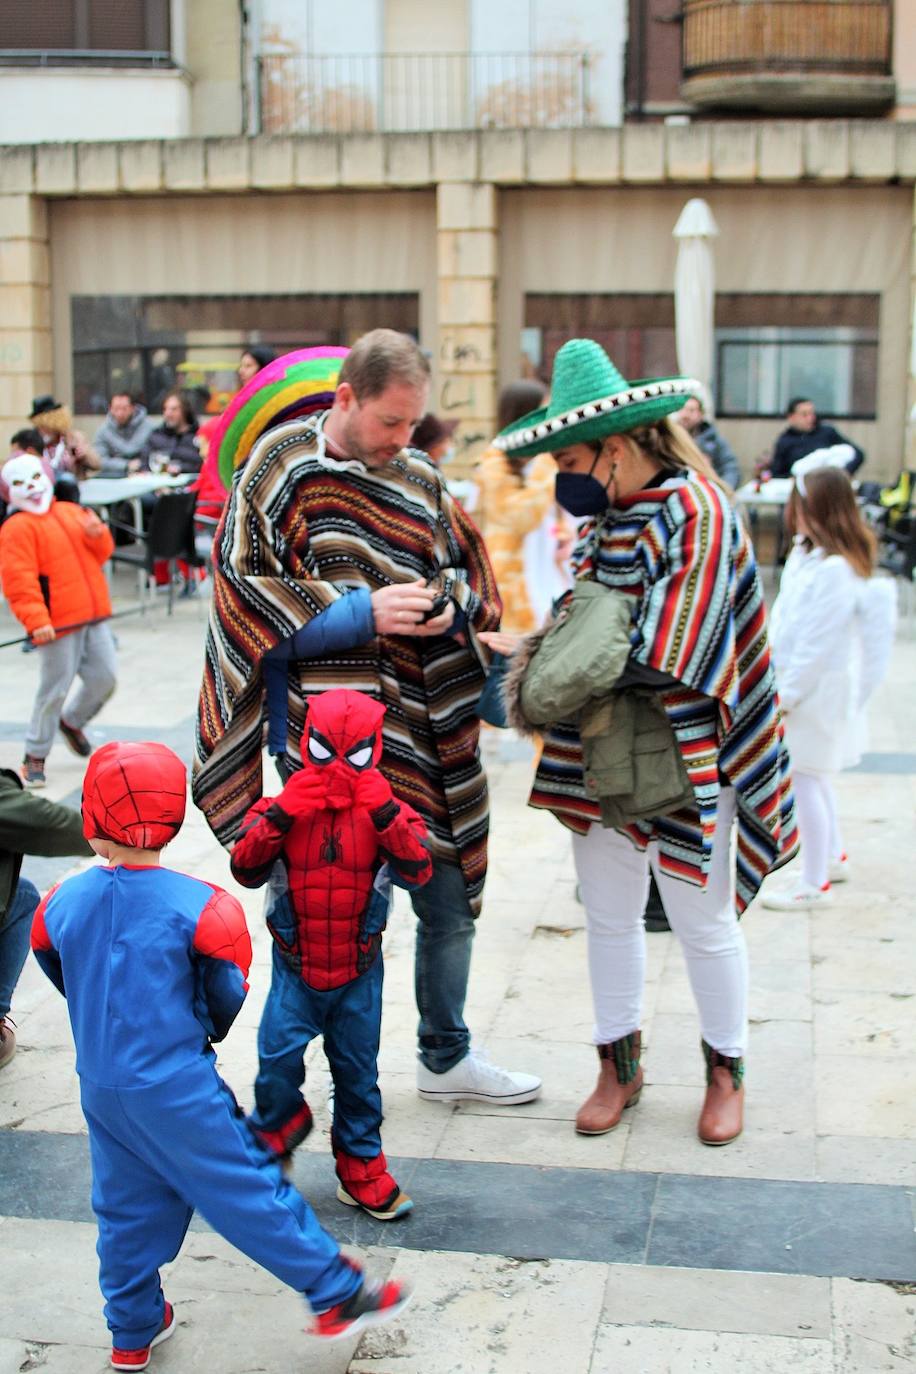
x=618 y=1087
x=722 y=1117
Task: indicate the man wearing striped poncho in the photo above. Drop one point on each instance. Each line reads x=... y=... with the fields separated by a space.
x=343 y=562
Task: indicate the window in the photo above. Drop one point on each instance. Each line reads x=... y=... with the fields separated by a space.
x=637 y=331
x=148 y=345
x=770 y=348
x=58 y=29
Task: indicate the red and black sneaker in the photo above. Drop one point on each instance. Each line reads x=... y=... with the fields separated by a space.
x=139 y=1359
x=76 y=739
x=371 y=1305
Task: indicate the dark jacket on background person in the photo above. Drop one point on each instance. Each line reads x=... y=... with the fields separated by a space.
x=793 y=444
x=117 y=444
x=719 y=452
x=32 y=825
x=168 y=446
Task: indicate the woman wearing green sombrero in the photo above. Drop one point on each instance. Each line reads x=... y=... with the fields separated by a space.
x=662 y=530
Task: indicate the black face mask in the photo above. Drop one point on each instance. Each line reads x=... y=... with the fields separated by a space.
x=580 y=493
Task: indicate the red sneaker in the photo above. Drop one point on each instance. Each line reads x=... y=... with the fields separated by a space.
x=139 y=1359
x=371 y=1305
x=366 y=1183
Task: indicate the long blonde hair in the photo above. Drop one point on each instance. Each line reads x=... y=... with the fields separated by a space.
x=669 y=444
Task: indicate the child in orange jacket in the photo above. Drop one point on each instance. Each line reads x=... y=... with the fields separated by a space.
x=51 y=557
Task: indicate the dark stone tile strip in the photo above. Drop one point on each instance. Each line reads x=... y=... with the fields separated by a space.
x=858 y=1231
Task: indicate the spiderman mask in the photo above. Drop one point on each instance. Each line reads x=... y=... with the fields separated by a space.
x=134 y=795
x=343 y=741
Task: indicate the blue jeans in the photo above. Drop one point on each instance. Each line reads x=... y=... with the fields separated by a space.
x=15 y=933
x=445 y=932
x=349 y=1018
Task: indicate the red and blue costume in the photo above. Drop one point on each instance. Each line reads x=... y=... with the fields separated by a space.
x=341 y=838
x=154 y=966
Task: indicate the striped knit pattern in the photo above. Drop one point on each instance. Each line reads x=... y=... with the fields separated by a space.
x=682 y=554
x=299 y=532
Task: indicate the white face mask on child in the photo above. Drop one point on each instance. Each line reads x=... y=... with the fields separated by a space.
x=30 y=489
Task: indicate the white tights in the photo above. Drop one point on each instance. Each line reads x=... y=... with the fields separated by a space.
x=818 y=825
x=614 y=884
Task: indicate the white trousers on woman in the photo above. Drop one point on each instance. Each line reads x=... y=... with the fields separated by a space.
x=818 y=825
x=614 y=884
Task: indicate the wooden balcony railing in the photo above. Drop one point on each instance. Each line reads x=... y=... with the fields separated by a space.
x=836 y=36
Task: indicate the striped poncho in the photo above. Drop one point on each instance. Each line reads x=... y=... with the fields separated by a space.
x=698 y=615
x=300 y=531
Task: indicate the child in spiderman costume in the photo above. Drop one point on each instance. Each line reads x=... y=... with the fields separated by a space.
x=153 y=965
x=342 y=837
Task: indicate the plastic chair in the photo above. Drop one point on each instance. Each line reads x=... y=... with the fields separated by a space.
x=170 y=536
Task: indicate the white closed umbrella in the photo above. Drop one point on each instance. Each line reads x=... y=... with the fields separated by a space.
x=695 y=294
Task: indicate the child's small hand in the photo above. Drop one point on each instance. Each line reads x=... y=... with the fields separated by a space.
x=305 y=791
x=373 y=790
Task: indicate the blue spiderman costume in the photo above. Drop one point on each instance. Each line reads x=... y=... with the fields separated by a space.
x=340 y=838
x=154 y=967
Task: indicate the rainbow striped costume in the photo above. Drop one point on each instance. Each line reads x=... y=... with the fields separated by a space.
x=681 y=552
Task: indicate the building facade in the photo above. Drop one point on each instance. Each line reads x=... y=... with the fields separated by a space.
x=291 y=208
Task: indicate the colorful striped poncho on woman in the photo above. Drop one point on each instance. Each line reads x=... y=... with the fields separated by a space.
x=301 y=530
x=698 y=616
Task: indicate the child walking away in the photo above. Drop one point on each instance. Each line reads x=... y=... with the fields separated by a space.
x=153 y=965
x=832 y=631
x=51 y=557
x=342 y=837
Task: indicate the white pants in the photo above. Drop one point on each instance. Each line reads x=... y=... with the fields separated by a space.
x=614 y=885
x=818 y=825
x=88 y=654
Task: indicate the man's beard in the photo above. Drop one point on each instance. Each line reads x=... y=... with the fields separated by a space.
x=372 y=458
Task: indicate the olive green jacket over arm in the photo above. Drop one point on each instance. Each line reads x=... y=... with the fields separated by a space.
x=32 y=825
x=568 y=673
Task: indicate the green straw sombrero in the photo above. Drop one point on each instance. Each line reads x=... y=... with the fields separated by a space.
x=589 y=399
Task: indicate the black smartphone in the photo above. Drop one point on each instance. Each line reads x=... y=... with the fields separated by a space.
x=435 y=609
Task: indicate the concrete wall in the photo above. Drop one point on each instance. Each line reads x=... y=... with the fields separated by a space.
x=212 y=41
x=38 y=105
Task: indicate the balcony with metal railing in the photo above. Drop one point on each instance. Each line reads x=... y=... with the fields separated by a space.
x=417 y=92
x=788 y=56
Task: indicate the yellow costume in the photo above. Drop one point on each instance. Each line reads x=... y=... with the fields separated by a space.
x=510 y=505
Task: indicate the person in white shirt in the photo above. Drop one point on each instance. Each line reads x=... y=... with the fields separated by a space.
x=832 y=630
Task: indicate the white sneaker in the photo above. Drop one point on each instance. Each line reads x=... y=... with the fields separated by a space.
x=475 y=1079
x=838 y=870
x=799 y=898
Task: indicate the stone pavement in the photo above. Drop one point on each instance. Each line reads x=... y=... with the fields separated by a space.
x=531 y=1248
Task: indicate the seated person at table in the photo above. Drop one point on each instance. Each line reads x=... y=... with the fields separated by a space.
x=804 y=434
x=121 y=438
x=172 y=447
x=709 y=441
x=51 y=557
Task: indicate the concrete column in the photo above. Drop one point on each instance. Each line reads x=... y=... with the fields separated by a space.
x=25 y=309
x=466 y=224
